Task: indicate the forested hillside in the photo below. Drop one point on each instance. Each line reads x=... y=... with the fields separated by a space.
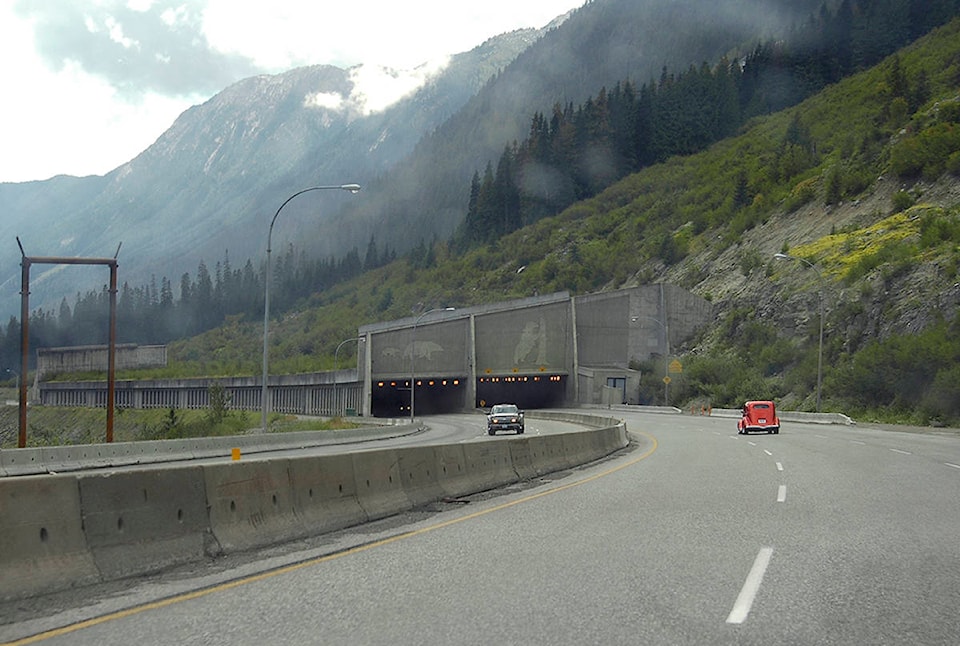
x=860 y=181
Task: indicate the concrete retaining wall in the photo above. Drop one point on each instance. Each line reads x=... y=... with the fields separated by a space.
x=60 y=531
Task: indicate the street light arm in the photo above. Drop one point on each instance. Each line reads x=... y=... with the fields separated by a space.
x=264 y=392
x=352 y=188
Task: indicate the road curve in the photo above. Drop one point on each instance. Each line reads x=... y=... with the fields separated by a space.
x=694 y=535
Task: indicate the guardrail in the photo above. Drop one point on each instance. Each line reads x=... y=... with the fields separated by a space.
x=65 y=530
x=785 y=415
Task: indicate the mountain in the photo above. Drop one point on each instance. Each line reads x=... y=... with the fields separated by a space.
x=209 y=185
x=603 y=43
x=858 y=186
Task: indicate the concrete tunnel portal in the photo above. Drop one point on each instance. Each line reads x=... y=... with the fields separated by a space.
x=438 y=395
x=543 y=351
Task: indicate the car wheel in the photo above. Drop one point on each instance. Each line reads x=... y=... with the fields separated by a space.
x=777 y=430
x=490 y=431
x=520 y=431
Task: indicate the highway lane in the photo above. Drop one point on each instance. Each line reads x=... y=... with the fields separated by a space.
x=819 y=535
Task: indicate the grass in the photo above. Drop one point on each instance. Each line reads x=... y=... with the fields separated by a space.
x=60 y=426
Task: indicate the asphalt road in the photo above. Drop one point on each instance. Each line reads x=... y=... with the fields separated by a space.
x=695 y=535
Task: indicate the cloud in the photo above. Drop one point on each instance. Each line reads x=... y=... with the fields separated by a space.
x=376 y=88
x=136 y=47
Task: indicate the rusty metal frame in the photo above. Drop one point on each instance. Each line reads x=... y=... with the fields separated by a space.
x=26 y=263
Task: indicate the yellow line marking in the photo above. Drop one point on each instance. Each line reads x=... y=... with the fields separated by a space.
x=222 y=587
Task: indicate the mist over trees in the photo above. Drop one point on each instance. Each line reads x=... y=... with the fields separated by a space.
x=575 y=152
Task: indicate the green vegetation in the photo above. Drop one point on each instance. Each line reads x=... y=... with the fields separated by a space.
x=669 y=221
x=57 y=426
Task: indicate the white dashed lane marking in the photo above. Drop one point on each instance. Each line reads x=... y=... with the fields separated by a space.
x=741 y=607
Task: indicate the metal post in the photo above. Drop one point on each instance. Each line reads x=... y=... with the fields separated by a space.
x=264 y=391
x=112 y=353
x=25 y=264
x=24 y=347
x=336 y=364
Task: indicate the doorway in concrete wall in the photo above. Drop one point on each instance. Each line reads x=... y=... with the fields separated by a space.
x=434 y=395
x=526 y=391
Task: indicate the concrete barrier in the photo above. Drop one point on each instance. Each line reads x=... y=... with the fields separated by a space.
x=453 y=474
x=325 y=493
x=63 y=459
x=42 y=544
x=250 y=504
x=419 y=473
x=378 y=483
x=72 y=529
x=488 y=465
x=21 y=462
x=143 y=521
x=792 y=416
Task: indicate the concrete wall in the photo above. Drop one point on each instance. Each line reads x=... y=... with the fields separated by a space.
x=323 y=394
x=92 y=358
x=66 y=530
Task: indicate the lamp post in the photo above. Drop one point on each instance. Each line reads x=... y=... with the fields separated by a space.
x=336 y=365
x=413 y=350
x=784 y=256
x=264 y=401
x=666 y=356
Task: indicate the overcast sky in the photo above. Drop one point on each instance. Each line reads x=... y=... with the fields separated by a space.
x=89 y=84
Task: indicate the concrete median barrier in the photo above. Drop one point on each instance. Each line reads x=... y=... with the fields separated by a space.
x=325 y=493
x=419 y=474
x=142 y=521
x=42 y=544
x=489 y=464
x=250 y=504
x=379 y=485
x=21 y=462
x=58 y=531
x=452 y=473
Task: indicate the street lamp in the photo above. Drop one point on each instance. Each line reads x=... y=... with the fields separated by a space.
x=413 y=350
x=666 y=356
x=264 y=401
x=336 y=365
x=783 y=256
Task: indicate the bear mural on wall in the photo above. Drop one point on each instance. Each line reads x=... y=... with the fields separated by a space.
x=533 y=343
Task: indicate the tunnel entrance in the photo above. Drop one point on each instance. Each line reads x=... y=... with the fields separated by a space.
x=526 y=391
x=434 y=395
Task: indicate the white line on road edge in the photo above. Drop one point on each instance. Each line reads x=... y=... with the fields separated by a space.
x=782 y=493
x=901 y=452
x=950 y=464
x=779 y=466
x=741 y=607
x=767 y=451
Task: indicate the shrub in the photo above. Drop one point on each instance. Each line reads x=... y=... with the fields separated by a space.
x=902 y=200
